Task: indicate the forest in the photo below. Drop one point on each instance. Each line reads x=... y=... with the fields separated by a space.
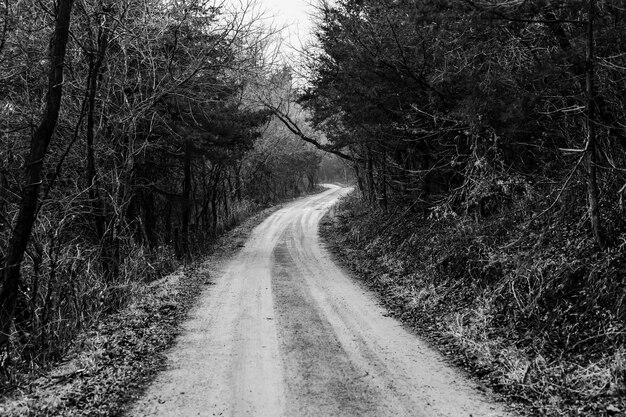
x=485 y=140
x=131 y=135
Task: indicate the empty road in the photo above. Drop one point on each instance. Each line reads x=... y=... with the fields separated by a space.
x=285 y=332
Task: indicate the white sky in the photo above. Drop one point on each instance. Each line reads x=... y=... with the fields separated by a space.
x=295 y=15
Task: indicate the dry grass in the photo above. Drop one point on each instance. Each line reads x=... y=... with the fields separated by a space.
x=537 y=318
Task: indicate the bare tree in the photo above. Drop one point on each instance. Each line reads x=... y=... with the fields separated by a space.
x=34 y=167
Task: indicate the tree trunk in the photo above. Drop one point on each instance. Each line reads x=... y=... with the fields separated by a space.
x=592 y=155
x=383 y=182
x=34 y=168
x=4 y=185
x=226 y=204
x=108 y=260
x=214 y=201
x=95 y=66
x=369 y=169
x=238 y=184
x=186 y=212
x=359 y=179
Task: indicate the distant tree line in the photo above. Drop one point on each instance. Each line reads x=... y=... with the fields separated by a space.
x=474 y=107
x=131 y=134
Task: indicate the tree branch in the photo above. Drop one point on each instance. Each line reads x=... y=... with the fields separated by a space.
x=293 y=127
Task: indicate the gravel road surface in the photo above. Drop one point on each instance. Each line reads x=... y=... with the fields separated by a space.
x=285 y=332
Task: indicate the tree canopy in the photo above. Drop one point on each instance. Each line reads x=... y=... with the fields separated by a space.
x=463 y=105
x=153 y=140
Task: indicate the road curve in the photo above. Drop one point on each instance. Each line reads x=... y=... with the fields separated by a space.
x=284 y=332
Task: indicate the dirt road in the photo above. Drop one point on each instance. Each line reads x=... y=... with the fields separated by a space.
x=284 y=332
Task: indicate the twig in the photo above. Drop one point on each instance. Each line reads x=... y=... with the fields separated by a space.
x=567 y=181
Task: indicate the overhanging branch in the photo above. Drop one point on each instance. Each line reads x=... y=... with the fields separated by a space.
x=295 y=129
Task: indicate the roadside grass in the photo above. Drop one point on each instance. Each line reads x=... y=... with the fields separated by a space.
x=535 y=313
x=113 y=360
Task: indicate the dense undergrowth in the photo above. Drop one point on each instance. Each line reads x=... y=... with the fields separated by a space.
x=532 y=307
x=65 y=292
x=109 y=363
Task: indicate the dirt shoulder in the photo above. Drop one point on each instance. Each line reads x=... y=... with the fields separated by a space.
x=112 y=364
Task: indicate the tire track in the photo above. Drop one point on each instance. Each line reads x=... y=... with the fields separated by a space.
x=285 y=332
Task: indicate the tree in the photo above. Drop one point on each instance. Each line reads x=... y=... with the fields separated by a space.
x=458 y=104
x=38 y=148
